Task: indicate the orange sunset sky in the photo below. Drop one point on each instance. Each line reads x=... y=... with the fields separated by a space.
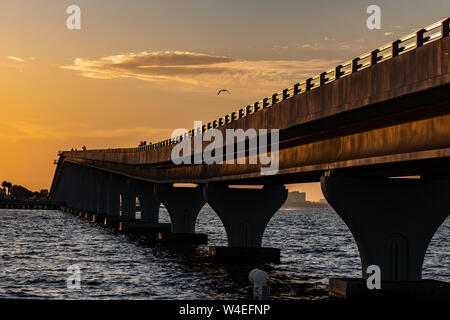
x=137 y=70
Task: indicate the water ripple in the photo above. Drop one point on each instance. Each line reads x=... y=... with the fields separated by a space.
x=36 y=247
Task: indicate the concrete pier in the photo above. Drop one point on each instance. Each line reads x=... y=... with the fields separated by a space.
x=392 y=221
x=245 y=214
x=31 y=205
x=182 y=238
x=138 y=227
x=112 y=222
x=183 y=205
x=99 y=218
x=102 y=196
x=95 y=195
x=128 y=195
x=243 y=254
x=112 y=190
x=89 y=216
x=148 y=201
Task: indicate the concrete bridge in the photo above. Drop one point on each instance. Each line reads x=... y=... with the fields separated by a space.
x=30 y=205
x=354 y=128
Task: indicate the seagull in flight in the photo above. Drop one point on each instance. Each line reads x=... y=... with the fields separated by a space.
x=223 y=90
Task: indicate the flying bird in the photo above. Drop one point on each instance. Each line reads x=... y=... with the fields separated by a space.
x=223 y=90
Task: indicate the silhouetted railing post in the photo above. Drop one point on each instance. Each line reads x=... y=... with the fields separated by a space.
x=355 y=64
x=256 y=106
x=396 y=48
x=308 y=84
x=323 y=78
x=296 y=89
x=374 y=58
x=274 y=98
x=420 y=39
x=338 y=72
x=248 y=110
x=445 y=27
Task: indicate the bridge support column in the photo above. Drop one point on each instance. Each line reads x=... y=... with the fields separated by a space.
x=128 y=202
x=149 y=202
x=83 y=190
x=112 y=190
x=91 y=198
x=245 y=214
x=66 y=189
x=73 y=189
x=392 y=221
x=78 y=188
x=183 y=205
x=101 y=196
x=149 y=222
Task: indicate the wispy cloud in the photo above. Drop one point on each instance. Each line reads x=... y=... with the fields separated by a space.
x=16 y=59
x=197 y=69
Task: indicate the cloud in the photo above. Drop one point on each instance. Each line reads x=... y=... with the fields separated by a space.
x=197 y=69
x=278 y=47
x=16 y=59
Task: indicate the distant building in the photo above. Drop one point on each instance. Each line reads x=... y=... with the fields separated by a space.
x=297 y=196
x=295 y=199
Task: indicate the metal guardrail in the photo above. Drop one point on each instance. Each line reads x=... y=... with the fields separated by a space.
x=437 y=30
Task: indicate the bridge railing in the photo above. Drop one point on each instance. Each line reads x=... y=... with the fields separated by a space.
x=407 y=43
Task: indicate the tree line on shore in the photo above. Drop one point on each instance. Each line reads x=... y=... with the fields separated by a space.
x=15 y=192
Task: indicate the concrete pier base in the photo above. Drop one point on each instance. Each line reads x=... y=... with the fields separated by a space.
x=112 y=222
x=88 y=216
x=244 y=254
x=138 y=227
x=99 y=218
x=245 y=213
x=392 y=220
x=354 y=289
x=182 y=238
x=183 y=205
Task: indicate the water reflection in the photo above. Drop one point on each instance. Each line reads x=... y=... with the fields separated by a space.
x=36 y=247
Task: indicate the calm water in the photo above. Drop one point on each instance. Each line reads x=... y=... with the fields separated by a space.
x=36 y=247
